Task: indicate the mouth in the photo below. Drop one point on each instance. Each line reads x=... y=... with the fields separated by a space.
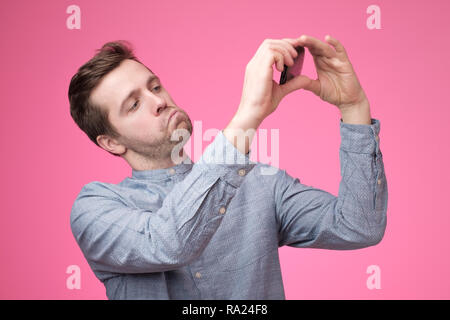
x=171 y=115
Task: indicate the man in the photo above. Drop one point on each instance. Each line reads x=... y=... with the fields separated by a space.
x=211 y=230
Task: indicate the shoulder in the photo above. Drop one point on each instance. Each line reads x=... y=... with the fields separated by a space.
x=276 y=180
x=92 y=195
x=97 y=188
x=271 y=175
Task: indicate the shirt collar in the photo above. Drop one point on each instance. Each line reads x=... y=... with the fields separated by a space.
x=164 y=173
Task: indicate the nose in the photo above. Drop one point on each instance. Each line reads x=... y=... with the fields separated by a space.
x=159 y=106
x=160 y=109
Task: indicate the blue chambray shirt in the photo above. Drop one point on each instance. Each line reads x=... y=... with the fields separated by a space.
x=211 y=230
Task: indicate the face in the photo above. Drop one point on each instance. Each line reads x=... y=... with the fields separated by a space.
x=139 y=107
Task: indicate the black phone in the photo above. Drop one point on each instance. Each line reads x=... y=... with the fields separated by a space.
x=291 y=72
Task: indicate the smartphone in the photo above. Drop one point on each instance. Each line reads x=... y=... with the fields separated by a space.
x=291 y=72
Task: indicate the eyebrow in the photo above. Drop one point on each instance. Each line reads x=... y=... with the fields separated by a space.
x=133 y=92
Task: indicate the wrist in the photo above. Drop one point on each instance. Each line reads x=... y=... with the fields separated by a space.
x=358 y=113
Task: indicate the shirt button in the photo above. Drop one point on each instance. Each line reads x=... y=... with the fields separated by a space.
x=222 y=210
x=171 y=170
x=377 y=138
x=241 y=172
x=379 y=181
x=198 y=275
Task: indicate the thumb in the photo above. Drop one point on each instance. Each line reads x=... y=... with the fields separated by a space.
x=301 y=82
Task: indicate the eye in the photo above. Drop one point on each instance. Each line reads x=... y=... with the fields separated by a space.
x=134 y=105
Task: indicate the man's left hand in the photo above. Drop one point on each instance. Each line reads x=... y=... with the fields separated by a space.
x=337 y=82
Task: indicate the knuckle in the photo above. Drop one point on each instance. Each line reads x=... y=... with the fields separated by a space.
x=290 y=42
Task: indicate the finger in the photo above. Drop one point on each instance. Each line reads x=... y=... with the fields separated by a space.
x=290 y=45
x=293 y=42
x=301 y=82
x=279 y=60
x=316 y=47
x=311 y=85
x=337 y=45
x=287 y=57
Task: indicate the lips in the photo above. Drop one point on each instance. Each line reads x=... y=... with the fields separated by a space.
x=171 y=115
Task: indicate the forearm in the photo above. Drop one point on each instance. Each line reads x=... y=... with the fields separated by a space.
x=313 y=218
x=241 y=130
x=363 y=189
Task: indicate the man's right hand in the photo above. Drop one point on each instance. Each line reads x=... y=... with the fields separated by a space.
x=261 y=95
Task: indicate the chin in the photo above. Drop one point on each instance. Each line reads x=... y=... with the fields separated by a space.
x=183 y=125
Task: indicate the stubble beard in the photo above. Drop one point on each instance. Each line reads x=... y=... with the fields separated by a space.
x=162 y=148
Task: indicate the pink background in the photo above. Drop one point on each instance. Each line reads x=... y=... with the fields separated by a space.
x=200 y=50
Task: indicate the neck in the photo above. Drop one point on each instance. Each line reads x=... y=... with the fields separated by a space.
x=140 y=163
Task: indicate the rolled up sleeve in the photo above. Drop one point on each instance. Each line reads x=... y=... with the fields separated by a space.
x=356 y=218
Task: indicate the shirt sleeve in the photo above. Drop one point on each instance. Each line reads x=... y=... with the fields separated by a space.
x=356 y=218
x=117 y=238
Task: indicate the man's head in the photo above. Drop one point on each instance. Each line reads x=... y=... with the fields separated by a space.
x=123 y=106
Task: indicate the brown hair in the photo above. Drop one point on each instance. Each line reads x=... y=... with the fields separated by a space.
x=90 y=118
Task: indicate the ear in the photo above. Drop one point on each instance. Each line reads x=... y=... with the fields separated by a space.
x=110 y=144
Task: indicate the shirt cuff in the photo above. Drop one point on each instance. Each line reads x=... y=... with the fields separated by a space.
x=226 y=160
x=360 y=138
